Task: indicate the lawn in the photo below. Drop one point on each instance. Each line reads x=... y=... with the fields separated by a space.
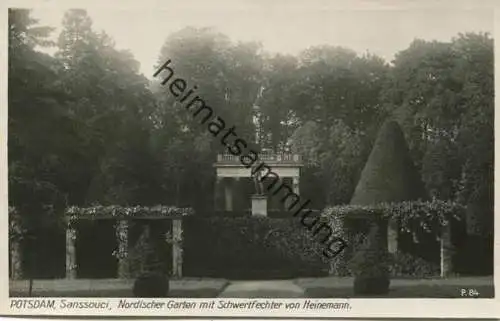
x=325 y=287
x=334 y=287
x=113 y=288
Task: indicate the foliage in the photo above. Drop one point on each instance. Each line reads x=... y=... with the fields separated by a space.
x=227 y=76
x=34 y=99
x=145 y=256
x=427 y=217
x=421 y=220
x=370 y=265
x=277 y=104
x=250 y=247
x=16 y=231
x=414 y=217
x=333 y=155
x=442 y=94
x=337 y=113
x=86 y=128
x=85 y=102
x=407 y=265
x=114 y=138
x=389 y=174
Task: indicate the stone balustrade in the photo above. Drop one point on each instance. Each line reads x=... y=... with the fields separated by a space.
x=228 y=158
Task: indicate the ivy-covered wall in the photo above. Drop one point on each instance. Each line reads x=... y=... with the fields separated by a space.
x=420 y=225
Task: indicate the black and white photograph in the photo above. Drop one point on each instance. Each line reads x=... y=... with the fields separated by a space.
x=248 y=150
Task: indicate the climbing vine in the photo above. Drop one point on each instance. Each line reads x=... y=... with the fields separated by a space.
x=16 y=230
x=414 y=217
x=115 y=211
x=121 y=231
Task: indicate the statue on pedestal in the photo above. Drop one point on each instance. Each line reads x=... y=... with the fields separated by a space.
x=259 y=186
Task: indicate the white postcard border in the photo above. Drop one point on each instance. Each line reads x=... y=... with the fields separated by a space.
x=371 y=308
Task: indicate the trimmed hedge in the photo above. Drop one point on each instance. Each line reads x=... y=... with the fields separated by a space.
x=250 y=248
x=271 y=213
x=389 y=174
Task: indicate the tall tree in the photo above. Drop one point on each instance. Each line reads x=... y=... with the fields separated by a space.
x=112 y=106
x=337 y=101
x=442 y=93
x=34 y=107
x=227 y=77
x=277 y=103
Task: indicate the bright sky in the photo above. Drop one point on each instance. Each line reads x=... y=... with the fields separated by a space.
x=280 y=28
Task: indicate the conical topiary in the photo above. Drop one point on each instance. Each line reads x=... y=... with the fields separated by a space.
x=389 y=174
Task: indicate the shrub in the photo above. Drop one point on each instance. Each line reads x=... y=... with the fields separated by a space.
x=250 y=247
x=370 y=266
x=149 y=252
x=151 y=285
x=146 y=261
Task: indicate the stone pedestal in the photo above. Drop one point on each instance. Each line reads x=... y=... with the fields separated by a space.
x=259 y=205
x=228 y=192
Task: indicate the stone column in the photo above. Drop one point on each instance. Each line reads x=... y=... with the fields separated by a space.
x=218 y=197
x=296 y=185
x=16 y=269
x=228 y=192
x=392 y=236
x=446 y=251
x=236 y=199
x=122 y=240
x=177 y=247
x=70 y=252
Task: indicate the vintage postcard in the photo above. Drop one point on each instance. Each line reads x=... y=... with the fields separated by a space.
x=248 y=159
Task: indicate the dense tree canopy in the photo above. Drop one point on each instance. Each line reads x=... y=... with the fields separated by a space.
x=442 y=93
x=86 y=127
